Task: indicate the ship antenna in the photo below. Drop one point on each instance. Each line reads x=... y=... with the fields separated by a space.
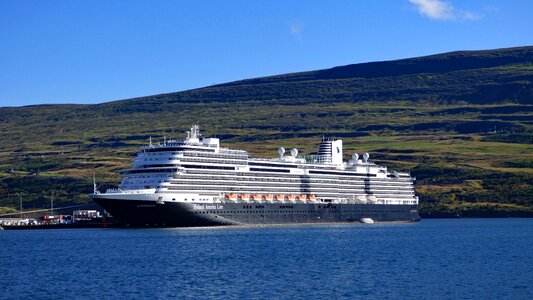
x=95 y=190
x=150 y=141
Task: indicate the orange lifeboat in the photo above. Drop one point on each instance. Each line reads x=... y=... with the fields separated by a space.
x=279 y=197
x=256 y=197
x=269 y=197
x=244 y=197
x=231 y=197
x=291 y=197
x=311 y=197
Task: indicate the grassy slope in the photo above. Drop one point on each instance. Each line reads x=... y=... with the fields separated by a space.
x=434 y=116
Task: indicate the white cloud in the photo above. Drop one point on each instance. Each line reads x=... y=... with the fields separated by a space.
x=434 y=9
x=442 y=10
x=296 y=30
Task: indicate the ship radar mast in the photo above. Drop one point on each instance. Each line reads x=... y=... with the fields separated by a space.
x=195 y=132
x=193 y=136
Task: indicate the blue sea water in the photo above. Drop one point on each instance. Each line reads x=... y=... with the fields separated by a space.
x=432 y=259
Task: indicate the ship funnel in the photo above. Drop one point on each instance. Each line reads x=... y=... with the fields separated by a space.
x=330 y=149
x=281 y=151
x=294 y=152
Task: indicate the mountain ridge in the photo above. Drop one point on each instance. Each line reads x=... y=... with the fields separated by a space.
x=367 y=70
x=371 y=69
x=480 y=73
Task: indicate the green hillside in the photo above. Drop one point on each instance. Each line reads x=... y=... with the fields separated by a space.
x=461 y=122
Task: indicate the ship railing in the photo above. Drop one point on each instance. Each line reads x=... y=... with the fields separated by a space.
x=307 y=159
x=175 y=142
x=317 y=159
x=298 y=159
x=349 y=201
x=136 y=191
x=227 y=150
x=268 y=159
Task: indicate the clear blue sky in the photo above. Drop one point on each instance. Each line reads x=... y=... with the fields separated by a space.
x=94 y=51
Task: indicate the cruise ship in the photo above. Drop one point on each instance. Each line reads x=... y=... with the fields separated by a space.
x=196 y=182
